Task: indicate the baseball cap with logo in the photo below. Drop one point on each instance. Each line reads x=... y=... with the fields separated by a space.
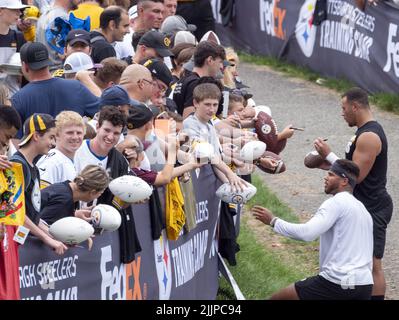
x=78 y=61
x=158 y=41
x=158 y=70
x=12 y=4
x=35 y=55
x=78 y=35
x=175 y=23
x=36 y=123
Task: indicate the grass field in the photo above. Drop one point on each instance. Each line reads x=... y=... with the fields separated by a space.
x=268 y=262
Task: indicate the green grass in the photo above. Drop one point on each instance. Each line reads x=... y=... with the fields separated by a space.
x=262 y=270
x=269 y=200
x=384 y=101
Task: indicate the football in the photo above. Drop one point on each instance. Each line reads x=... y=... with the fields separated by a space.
x=71 y=230
x=314 y=160
x=105 y=217
x=203 y=151
x=130 y=189
x=266 y=129
x=252 y=151
x=225 y=194
x=280 y=166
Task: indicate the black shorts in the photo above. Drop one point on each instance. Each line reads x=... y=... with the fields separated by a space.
x=381 y=218
x=318 y=288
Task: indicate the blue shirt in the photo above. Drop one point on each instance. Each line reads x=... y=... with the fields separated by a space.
x=53 y=96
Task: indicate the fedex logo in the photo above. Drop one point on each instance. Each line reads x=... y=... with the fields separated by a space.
x=392 y=50
x=272 y=18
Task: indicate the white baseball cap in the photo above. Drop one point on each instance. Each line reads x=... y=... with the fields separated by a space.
x=78 y=61
x=185 y=37
x=12 y=4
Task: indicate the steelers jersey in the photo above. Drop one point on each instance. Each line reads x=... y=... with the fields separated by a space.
x=55 y=167
x=84 y=156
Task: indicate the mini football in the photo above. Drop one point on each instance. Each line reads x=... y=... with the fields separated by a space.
x=252 y=150
x=105 y=217
x=130 y=189
x=71 y=230
x=225 y=194
x=314 y=160
x=266 y=129
x=280 y=166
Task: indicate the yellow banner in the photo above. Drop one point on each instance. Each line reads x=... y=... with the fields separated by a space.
x=12 y=196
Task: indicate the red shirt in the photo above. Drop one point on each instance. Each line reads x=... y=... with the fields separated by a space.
x=147 y=175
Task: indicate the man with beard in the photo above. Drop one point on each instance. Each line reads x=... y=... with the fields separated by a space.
x=60 y=8
x=345 y=229
x=114 y=24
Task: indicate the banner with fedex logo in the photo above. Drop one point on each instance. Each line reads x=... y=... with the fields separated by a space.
x=183 y=269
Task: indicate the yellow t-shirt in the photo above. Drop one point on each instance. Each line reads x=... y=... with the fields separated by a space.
x=89 y=9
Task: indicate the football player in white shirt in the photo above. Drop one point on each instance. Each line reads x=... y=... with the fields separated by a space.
x=345 y=229
x=58 y=164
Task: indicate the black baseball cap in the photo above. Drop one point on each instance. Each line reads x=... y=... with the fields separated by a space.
x=157 y=40
x=138 y=116
x=78 y=35
x=36 y=123
x=158 y=70
x=35 y=55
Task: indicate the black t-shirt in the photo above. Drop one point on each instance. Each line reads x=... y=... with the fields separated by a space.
x=372 y=190
x=32 y=187
x=100 y=47
x=13 y=39
x=183 y=92
x=57 y=202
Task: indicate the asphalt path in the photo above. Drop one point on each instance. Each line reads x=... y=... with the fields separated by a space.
x=317 y=109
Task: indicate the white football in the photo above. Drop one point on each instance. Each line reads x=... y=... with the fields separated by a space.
x=71 y=230
x=130 y=189
x=106 y=217
x=239 y=197
x=252 y=150
x=204 y=151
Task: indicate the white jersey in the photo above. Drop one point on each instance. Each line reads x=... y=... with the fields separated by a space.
x=84 y=157
x=55 y=167
x=345 y=228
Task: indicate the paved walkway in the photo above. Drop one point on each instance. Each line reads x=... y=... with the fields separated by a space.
x=307 y=105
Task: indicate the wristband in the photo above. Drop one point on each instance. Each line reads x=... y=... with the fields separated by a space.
x=273 y=222
x=332 y=157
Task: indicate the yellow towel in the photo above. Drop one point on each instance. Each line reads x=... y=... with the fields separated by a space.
x=175 y=217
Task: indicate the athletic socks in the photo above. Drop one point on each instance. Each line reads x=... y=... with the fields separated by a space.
x=377 y=297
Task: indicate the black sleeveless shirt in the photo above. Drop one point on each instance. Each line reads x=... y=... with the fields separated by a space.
x=372 y=190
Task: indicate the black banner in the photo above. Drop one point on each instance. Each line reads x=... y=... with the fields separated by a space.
x=362 y=47
x=183 y=269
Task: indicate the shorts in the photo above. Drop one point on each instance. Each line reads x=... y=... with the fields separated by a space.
x=381 y=218
x=318 y=288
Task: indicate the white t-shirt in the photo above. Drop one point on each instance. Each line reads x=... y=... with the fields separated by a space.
x=345 y=228
x=55 y=167
x=84 y=157
x=125 y=48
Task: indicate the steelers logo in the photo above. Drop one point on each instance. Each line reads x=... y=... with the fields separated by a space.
x=96 y=217
x=266 y=129
x=237 y=199
x=166 y=41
